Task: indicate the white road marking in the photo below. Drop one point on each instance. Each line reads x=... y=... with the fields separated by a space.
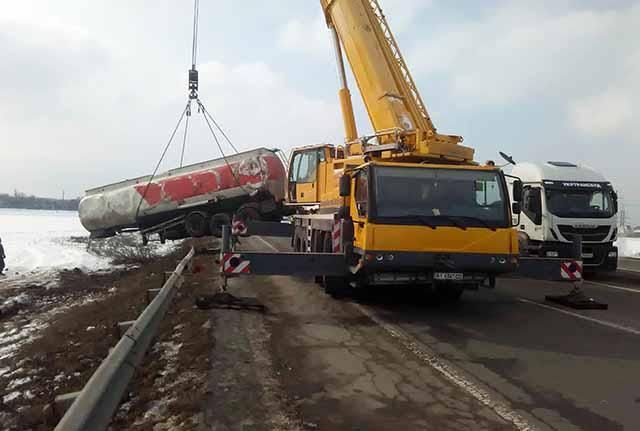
x=627 y=269
x=583 y=317
x=267 y=243
x=450 y=373
x=442 y=366
x=626 y=289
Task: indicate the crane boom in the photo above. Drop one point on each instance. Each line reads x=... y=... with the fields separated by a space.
x=399 y=116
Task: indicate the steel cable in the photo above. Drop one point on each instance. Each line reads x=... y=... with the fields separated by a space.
x=164 y=153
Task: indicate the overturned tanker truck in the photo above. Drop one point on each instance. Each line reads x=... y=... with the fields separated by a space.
x=192 y=201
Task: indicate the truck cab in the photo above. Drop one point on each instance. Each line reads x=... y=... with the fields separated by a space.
x=562 y=200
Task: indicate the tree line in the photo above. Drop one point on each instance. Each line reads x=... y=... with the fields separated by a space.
x=22 y=201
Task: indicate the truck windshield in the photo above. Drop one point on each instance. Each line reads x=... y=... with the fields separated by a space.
x=580 y=203
x=439 y=197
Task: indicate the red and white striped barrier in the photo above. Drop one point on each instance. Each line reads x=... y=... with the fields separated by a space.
x=571 y=270
x=336 y=235
x=238 y=227
x=233 y=263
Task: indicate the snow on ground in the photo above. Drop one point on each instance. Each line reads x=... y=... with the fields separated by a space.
x=40 y=240
x=40 y=243
x=628 y=247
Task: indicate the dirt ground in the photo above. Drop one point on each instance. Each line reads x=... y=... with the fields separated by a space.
x=74 y=325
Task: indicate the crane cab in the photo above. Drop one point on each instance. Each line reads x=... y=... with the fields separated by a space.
x=314 y=174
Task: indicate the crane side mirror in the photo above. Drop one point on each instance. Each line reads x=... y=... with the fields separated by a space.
x=517 y=191
x=345 y=186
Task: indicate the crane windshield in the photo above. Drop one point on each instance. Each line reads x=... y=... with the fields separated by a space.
x=439 y=197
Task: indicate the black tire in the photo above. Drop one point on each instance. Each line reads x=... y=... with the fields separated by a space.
x=248 y=212
x=216 y=222
x=196 y=224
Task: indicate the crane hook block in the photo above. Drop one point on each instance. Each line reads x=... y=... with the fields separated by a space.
x=193 y=83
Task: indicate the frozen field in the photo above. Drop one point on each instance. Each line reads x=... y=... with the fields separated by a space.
x=41 y=240
x=38 y=242
x=628 y=247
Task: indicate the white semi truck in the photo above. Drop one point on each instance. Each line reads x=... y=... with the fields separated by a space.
x=561 y=200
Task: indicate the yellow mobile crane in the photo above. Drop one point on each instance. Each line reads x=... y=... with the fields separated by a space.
x=413 y=203
x=405 y=205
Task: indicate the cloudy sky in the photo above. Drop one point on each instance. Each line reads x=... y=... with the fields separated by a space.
x=90 y=90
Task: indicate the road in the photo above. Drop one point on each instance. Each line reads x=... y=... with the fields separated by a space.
x=629 y=265
x=501 y=359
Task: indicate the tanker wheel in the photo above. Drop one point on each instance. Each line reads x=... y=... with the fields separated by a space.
x=196 y=224
x=248 y=212
x=216 y=222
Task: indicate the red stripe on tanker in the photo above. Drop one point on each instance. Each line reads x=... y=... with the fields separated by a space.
x=115 y=206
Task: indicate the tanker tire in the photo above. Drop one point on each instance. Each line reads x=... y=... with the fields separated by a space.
x=248 y=212
x=196 y=224
x=216 y=222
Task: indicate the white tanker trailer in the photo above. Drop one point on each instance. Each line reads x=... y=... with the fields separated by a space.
x=191 y=201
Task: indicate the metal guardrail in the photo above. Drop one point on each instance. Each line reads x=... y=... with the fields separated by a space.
x=96 y=404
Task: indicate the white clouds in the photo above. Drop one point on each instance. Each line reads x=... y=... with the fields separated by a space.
x=607 y=113
x=308 y=35
x=402 y=13
x=258 y=106
x=520 y=51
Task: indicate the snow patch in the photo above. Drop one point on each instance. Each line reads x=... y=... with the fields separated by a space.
x=12 y=396
x=38 y=244
x=628 y=247
x=18 y=382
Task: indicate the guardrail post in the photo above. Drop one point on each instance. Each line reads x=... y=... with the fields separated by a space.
x=122 y=327
x=54 y=411
x=166 y=276
x=151 y=293
x=94 y=407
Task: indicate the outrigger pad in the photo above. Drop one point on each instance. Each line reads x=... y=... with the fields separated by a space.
x=227 y=301
x=577 y=300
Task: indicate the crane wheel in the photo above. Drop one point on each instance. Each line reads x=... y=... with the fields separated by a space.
x=196 y=224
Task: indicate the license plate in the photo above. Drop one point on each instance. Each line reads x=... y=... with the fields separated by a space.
x=455 y=276
x=587 y=255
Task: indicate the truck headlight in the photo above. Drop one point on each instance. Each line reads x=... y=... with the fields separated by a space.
x=552 y=254
x=613 y=253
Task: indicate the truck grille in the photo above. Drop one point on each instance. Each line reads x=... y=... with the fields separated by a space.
x=597 y=234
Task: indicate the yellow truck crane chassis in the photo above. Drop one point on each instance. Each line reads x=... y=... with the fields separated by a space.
x=406 y=205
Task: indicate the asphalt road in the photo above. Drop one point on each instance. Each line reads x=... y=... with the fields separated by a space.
x=628 y=264
x=547 y=366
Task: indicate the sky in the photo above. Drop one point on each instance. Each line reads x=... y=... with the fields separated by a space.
x=91 y=91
